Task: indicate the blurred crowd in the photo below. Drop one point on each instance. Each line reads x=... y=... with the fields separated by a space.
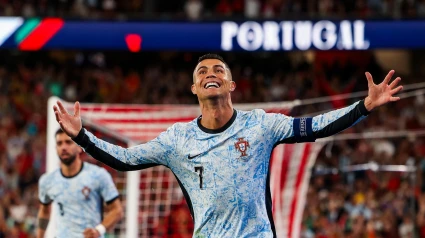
x=367 y=203
x=356 y=204
x=214 y=9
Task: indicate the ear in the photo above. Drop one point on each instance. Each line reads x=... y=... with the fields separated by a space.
x=232 y=86
x=193 y=89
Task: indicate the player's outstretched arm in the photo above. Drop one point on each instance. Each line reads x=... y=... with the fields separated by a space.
x=70 y=124
x=380 y=94
x=138 y=157
x=43 y=219
x=114 y=214
x=336 y=121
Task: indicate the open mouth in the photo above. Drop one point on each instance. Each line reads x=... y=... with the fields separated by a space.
x=211 y=85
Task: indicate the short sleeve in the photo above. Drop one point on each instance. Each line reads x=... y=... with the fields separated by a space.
x=108 y=190
x=43 y=190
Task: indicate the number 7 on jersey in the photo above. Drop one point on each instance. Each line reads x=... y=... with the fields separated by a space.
x=199 y=170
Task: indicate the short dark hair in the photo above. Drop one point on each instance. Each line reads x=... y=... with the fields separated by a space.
x=59 y=131
x=212 y=56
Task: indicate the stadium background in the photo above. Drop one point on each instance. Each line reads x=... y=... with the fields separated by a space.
x=361 y=203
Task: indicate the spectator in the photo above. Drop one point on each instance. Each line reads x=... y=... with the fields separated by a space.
x=193 y=9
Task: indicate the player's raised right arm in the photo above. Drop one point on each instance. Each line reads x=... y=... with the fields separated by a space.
x=149 y=154
x=43 y=219
x=152 y=153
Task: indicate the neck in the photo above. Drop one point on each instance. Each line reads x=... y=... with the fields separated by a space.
x=72 y=169
x=216 y=113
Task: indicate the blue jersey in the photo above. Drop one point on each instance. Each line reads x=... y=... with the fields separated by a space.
x=79 y=199
x=224 y=173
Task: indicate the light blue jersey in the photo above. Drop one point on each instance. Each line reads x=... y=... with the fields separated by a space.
x=224 y=173
x=79 y=199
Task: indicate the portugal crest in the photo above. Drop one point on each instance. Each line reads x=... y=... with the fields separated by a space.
x=86 y=192
x=242 y=145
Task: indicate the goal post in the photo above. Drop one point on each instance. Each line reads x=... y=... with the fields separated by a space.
x=52 y=160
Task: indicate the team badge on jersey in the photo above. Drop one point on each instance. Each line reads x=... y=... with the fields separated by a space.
x=242 y=145
x=86 y=192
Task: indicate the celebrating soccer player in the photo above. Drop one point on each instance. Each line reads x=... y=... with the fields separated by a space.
x=221 y=159
x=79 y=190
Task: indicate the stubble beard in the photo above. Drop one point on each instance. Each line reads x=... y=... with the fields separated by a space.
x=69 y=160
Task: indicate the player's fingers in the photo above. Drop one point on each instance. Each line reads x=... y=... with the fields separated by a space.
x=61 y=125
x=77 y=109
x=55 y=109
x=395 y=82
x=62 y=108
x=58 y=118
x=369 y=78
x=396 y=90
x=393 y=99
x=388 y=77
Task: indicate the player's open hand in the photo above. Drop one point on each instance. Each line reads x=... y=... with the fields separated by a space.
x=91 y=233
x=70 y=124
x=380 y=94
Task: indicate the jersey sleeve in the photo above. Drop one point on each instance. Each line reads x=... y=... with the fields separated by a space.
x=284 y=129
x=108 y=190
x=152 y=153
x=42 y=190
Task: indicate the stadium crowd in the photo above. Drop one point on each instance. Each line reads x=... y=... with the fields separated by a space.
x=357 y=204
x=213 y=9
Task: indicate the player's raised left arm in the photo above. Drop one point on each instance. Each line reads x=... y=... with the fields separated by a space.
x=114 y=214
x=336 y=121
x=308 y=129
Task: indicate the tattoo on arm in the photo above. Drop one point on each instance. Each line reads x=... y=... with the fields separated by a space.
x=42 y=223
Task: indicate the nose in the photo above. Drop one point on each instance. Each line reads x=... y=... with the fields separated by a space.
x=63 y=148
x=211 y=75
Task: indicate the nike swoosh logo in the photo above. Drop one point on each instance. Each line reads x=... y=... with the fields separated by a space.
x=193 y=156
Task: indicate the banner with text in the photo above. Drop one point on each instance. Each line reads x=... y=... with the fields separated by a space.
x=56 y=33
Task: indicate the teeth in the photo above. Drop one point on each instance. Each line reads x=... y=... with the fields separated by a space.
x=212 y=84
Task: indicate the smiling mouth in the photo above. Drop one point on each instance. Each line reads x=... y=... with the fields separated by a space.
x=212 y=85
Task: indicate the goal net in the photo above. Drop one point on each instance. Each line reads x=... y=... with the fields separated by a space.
x=153 y=202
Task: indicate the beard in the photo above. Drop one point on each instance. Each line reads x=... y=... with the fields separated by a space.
x=68 y=161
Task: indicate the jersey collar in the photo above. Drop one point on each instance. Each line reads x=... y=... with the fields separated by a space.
x=219 y=130
x=68 y=177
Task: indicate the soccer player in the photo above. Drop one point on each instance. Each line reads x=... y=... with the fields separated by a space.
x=221 y=159
x=79 y=189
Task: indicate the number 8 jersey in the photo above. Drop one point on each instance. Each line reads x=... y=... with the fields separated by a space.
x=79 y=198
x=224 y=173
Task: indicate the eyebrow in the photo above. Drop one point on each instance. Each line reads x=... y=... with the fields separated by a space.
x=215 y=66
